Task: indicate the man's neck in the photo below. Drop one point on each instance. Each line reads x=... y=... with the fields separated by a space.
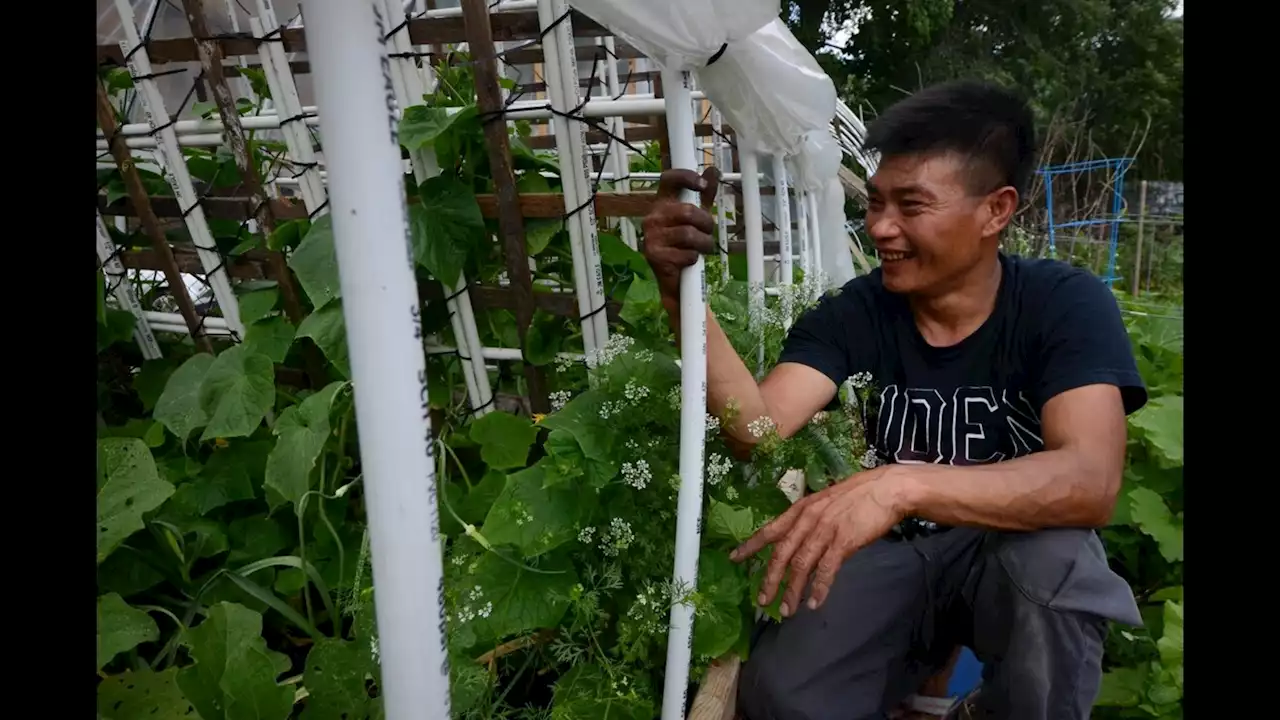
x=950 y=317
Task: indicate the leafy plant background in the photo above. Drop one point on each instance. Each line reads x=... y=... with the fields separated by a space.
x=233 y=565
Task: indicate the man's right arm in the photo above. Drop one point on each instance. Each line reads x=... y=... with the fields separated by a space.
x=676 y=233
x=789 y=395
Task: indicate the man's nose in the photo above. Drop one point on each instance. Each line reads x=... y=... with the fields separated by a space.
x=882 y=227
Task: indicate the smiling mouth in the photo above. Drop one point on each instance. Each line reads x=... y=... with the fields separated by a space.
x=888 y=256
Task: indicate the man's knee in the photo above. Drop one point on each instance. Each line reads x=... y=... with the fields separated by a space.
x=776 y=685
x=1061 y=569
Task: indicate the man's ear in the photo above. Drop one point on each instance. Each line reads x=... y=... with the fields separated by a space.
x=1000 y=206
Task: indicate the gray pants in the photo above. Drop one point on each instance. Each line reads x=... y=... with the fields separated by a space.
x=1033 y=607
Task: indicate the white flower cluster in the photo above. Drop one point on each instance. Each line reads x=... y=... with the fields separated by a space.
x=731 y=493
x=586 y=535
x=564 y=363
x=616 y=537
x=617 y=345
x=673 y=398
x=644 y=355
x=522 y=514
x=761 y=426
x=650 y=608
x=636 y=474
x=860 y=380
x=634 y=391
x=713 y=425
x=468 y=613
x=559 y=399
x=611 y=408
x=718 y=466
x=869 y=459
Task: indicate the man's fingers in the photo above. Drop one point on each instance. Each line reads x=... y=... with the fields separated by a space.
x=674 y=181
x=813 y=548
x=711 y=178
x=783 y=550
x=767 y=534
x=692 y=215
x=825 y=575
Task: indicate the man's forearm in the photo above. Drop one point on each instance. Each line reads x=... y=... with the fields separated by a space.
x=728 y=379
x=1055 y=488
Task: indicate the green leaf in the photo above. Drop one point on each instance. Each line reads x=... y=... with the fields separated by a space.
x=237 y=393
x=538 y=233
x=255 y=538
x=586 y=693
x=475 y=506
x=128 y=486
x=234 y=675
x=117 y=328
x=328 y=331
x=1122 y=687
x=315 y=262
x=580 y=418
x=224 y=479
x=1170 y=642
x=301 y=431
x=533 y=518
x=420 y=125
x=144 y=695
x=151 y=379
x=258 y=304
x=546 y=333
x=1160 y=423
x=727 y=522
x=179 y=405
x=1152 y=516
x=446 y=227
x=616 y=253
x=288 y=234
x=121 y=628
x=721 y=622
x=521 y=600
x=468 y=685
x=335 y=681
x=504 y=439
x=271 y=337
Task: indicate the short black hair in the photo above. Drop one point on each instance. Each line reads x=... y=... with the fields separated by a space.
x=989 y=124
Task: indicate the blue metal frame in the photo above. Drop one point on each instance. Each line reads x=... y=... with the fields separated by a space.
x=1118 y=167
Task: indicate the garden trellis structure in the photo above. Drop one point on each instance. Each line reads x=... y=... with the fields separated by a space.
x=363 y=59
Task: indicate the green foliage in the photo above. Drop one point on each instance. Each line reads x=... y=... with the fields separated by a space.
x=1145 y=665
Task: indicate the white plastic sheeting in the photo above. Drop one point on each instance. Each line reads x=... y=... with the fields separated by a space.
x=680 y=34
x=770 y=89
x=817 y=172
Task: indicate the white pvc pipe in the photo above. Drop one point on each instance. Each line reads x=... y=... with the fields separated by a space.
x=618 y=152
x=693 y=412
x=176 y=165
x=510 y=354
x=118 y=282
x=802 y=223
x=815 y=242
x=380 y=306
x=723 y=158
x=782 y=199
x=583 y=241
x=409 y=84
x=755 y=243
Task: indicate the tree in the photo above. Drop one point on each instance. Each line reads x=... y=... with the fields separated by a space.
x=1111 y=70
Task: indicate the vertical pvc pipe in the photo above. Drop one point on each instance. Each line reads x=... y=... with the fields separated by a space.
x=384 y=329
x=722 y=155
x=618 y=126
x=802 y=223
x=583 y=243
x=782 y=196
x=118 y=281
x=755 y=241
x=815 y=243
x=693 y=413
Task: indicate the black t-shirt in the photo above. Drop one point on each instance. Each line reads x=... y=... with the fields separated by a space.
x=1053 y=328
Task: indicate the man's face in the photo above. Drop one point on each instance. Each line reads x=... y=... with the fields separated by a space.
x=929 y=230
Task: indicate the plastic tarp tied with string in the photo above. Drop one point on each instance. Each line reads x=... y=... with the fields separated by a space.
x=680 y=34
x=817 y=168
x=770 y=89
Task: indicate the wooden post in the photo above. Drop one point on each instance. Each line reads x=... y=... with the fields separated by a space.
x=150 y=223
x=1137 y=256
x=211 y=62
x=475 y=18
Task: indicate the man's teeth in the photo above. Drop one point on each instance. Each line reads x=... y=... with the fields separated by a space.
x=891 y=256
